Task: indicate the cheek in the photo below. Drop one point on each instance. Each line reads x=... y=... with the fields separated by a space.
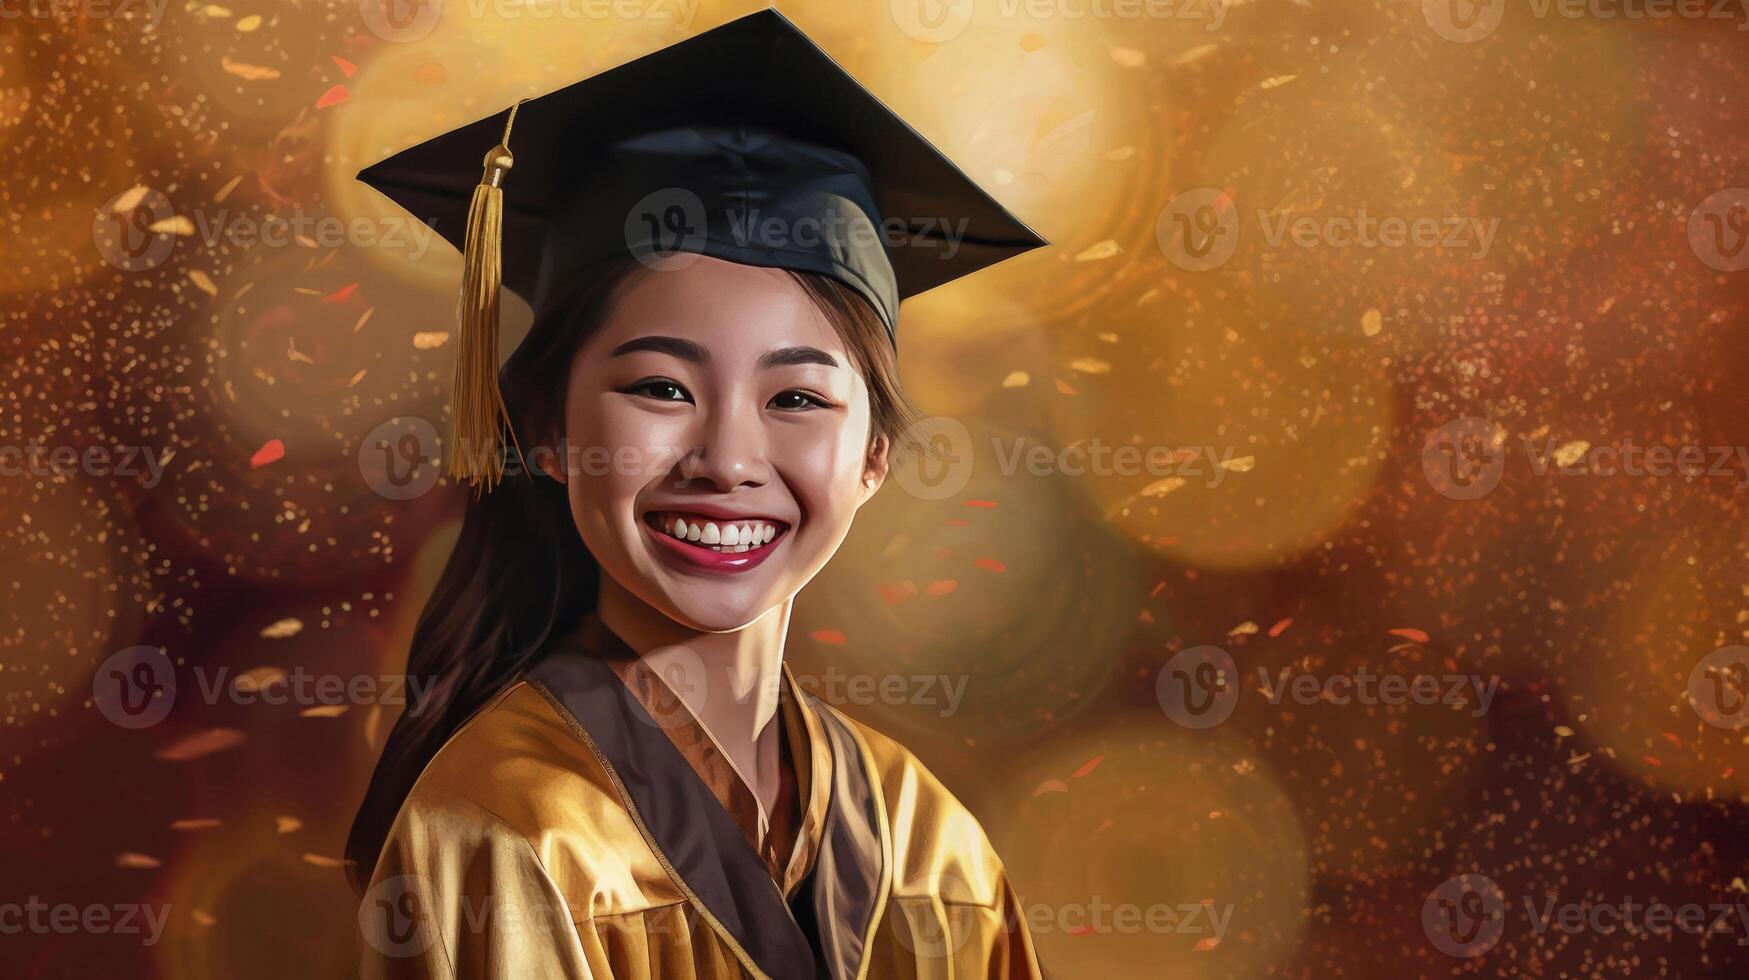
x=823 y=468
x=615 y=451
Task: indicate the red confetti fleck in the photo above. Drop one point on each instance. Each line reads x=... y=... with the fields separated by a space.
x=980 y=503
x=990 y=563
x=896 y=592
x=271 y=451
x=830 y=637
x=1051 y=786
x=1281 y=627
x=342 y=294
x=347 y=68
x=1410 y=633
x=333 y=96
x=941 y=587
x=1088 y=766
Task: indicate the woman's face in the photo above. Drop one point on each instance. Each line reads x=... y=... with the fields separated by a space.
x=718 y=441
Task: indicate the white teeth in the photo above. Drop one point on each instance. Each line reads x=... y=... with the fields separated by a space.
x=724 y=537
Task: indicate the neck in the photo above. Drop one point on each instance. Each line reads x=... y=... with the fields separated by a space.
x=737 y=698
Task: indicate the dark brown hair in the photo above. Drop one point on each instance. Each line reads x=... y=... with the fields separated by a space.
x=512 y=585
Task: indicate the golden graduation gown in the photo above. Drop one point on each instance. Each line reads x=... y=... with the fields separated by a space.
x=560 y=833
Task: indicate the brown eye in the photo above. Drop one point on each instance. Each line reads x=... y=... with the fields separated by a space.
x=661 y=389
x=795 y=400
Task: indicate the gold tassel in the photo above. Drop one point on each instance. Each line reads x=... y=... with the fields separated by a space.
x=479 y=419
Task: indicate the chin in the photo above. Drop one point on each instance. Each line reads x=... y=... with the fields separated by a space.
x=712 y=616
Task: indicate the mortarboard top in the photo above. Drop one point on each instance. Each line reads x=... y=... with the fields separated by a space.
x=746 y=142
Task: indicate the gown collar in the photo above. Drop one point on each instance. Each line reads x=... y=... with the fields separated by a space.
x=838 y=873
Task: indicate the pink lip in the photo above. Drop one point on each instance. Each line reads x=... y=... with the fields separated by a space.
x=702 y=557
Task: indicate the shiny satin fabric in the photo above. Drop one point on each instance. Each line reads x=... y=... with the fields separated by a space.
x=559 y=833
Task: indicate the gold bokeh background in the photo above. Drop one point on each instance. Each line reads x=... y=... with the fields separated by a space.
x=1318 y=372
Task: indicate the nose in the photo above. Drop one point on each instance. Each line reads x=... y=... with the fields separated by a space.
x=730 y=451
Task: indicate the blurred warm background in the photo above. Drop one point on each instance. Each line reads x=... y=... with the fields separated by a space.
x=1598 y=313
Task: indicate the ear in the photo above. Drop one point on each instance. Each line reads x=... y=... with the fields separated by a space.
x=874 y=466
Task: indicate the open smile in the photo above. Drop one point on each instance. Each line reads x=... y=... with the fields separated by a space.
x=715 y=542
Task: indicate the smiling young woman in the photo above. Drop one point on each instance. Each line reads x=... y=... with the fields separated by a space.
x=613 y=774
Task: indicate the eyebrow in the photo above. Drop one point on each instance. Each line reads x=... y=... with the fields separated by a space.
x=686 y=350
x=786 y=356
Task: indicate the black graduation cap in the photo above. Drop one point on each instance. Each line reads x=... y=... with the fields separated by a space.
x=746 y=142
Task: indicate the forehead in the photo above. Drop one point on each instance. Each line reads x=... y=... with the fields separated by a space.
x=738 y=312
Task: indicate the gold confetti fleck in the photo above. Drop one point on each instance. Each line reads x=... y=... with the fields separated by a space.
x=1572 y=452
x=430 y=339
x=132 y=859
x=1017 y=379
x=1160 y=488
x=247 y=72
x=1103 y=250
x=200 y=744
x=1128 y=57
x=1371 y=322
x=287 y=627
x=1090 y=365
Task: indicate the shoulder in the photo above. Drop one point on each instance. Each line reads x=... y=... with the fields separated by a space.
x=514 y=767
x=939 y=848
